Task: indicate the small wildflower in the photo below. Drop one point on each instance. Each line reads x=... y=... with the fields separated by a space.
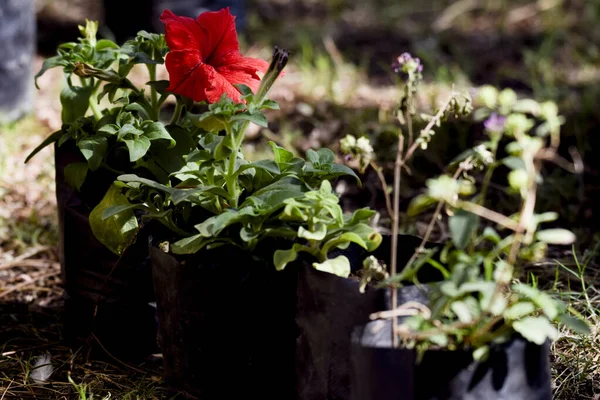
x=360 y=148
x=364 y=146
x=495 y=123
x=484 y=156
x=406 y=64
x=348 y=144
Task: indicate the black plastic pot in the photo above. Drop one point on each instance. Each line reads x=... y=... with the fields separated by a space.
x=328 y=308
x=226 y=324
x=517 y=370
x=106 y=298
x=17 y=46
x=227 y=316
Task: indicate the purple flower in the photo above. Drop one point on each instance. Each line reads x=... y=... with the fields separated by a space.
x=405 y=63
x=495 y=123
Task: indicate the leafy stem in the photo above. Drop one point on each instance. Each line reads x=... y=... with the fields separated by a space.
x=153 y=93
x=488 y=174
x=177 y=112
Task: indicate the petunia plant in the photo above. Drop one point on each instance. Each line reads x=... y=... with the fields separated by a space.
x=185 y=169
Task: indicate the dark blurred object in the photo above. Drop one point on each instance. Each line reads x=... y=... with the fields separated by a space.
x=17 y=46
x=105 y=295
x=121 y=24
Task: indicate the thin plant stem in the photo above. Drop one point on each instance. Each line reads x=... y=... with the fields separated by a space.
x=395 y=225
x=94 y=107
x=488 y=174
x=153 y=93
x=488 y=214
x=409 y=125
x=428 y=128
x=177 y=113
x=384 y=186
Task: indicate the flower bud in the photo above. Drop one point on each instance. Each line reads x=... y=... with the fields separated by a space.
x=280 y=60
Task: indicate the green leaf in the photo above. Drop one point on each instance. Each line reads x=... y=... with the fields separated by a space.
x=282 y=155
x=575 y=324
x=117 y=231
x=361 y=215
x=256 y=118
x=189 y=245
x=114 y=210
x=106 y=44
x=150 y=183
x=214 y=225
x=75 y=102
x=481 y=353
x=128 y=130
x=419 y=204
x=545 y=217
x=207 y=121
x=339 y=266
x=93 y=149
x=462 y=226
x=543 y=300
x=519 y=310
x=514 y=163
x=283 y=257
x=312 y=156
x=75 y=174
x=536 y=329
x=244 y=89
x=159 y=86
x=556 y=236
x=180 y=195
x=490 y=234
x=462 y=311
x=109 y=129
x=273 y=195
x=267 y=165
x=54 y=136
x=326 y=156
x=318 y=234
x=340 y=170
x=137 y=107
x=270 y=105
x=157 y=130
x=52 y=62
x=138 y=147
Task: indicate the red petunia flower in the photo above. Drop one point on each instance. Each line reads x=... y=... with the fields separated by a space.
x=204 y=60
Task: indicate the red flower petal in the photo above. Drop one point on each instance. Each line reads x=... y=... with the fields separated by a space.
x=204 y=59
x=220 y=35
x=242 y=70
x=184 y=79
x=195 y=79
x=182 y=32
